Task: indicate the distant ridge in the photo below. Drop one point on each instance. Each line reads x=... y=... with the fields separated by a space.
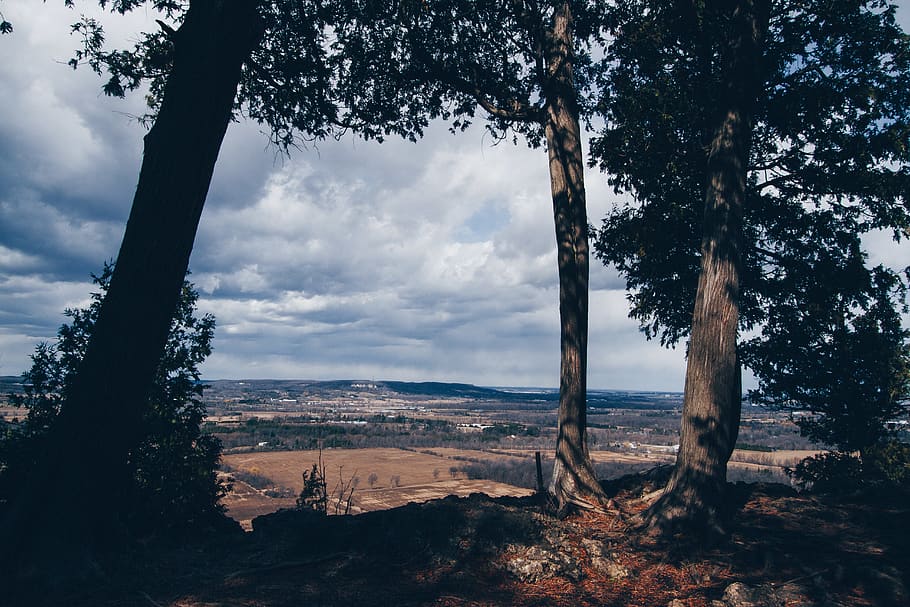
x=6 y=381
x=537 y=397
x=445 y=389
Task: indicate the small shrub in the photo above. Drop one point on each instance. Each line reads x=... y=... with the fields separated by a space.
x=890 y=461
x=832 y=472
x=172 y=487
x=251 y=477
x=314 y=495
x=885 y=464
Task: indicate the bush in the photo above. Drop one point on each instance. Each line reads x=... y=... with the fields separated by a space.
x=251 y=477
x=886 y=464
x=832 y=472
x=316 y=497
x=520 y=472
x=890 y=462
x=173 y=477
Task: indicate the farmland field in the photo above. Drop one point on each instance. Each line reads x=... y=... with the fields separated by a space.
x=391 y=477
x=401 y=477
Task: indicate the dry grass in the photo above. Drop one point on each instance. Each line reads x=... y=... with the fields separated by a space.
x=401 y=477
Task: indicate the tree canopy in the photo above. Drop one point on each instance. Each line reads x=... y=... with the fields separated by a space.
x=811 y=99
x=829 y=162
x=848 y=367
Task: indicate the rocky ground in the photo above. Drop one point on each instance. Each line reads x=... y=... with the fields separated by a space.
x=784 y=549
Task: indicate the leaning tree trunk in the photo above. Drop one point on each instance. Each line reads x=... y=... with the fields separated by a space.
x=99 y=425
x=694 y=497
x=573 y=481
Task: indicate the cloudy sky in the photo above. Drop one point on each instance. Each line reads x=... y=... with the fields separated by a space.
x=426 y=261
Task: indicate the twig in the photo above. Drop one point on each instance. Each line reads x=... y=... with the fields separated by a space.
x=149 y=599
x=281 y=566
x=807 y=576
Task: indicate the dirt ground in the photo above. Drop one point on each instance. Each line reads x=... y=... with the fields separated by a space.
x=797 y=550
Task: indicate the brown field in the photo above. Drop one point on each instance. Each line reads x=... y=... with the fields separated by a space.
x=421 y=477
x=10 y=413
x=408 y=476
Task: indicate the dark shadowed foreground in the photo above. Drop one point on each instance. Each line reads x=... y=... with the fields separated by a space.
x=784 y=549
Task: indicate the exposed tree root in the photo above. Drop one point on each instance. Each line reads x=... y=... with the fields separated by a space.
x=677 y=516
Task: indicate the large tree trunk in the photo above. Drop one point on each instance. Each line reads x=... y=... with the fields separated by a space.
x=694 y=498
x=90 y=445
x=573 y=481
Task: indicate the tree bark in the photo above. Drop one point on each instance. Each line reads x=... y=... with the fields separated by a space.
x=574 y=481
x=99 y=423
x=693 y=501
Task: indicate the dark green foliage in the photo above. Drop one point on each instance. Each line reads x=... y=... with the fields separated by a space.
x=314 y=495
x=285 y=82
x=890 y=460
x=831 y=472
x=846 y=362
x=174 y=485
x=406 y=63
x=830 y=156
x=848 y=365
x=829 y=163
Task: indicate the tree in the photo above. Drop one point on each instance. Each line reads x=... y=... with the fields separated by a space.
x=173 y=484
x=847 y=365
x=823 y=159
x=314 y=495
x=523 y=64
x=100 y=421
x=194 y=71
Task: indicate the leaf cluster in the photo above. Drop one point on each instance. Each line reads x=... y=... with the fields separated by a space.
x=314 y=495
x=405 y=63
x=174 y=484
x=829 y=160
x=375 y=67
x=846 y=362
x=886 y=465
x=285 y=84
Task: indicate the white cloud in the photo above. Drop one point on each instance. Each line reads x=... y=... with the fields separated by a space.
x=426 y=261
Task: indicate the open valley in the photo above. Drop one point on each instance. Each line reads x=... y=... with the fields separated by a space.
x=384 y=444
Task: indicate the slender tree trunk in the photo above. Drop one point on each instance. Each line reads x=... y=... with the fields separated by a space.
x=574 y=481
x=694 y=498
x=90 y=445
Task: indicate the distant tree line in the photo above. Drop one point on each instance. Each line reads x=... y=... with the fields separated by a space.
x=402 y=432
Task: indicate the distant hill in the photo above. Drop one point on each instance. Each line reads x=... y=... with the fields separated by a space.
x=10 y=383
x=538 y=397
x=442 y=389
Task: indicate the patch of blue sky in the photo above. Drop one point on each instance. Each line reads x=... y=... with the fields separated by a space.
x=484 y=224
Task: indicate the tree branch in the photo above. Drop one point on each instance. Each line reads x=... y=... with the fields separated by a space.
x=518 y=113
